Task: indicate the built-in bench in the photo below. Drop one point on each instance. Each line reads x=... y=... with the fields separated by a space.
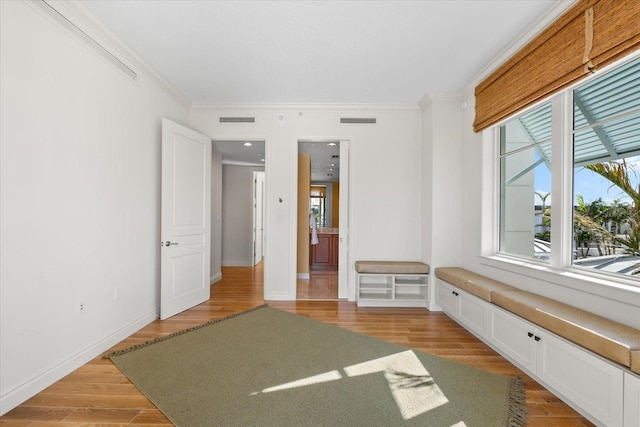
x=392 y=283
x=602 y=336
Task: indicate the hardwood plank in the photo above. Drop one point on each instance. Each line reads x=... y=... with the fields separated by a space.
x=109 y=416
x=99 y=394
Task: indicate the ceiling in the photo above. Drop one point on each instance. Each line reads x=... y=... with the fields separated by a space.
x=318 y=51
x=325 y=159
x=325 y=156
x=245 y=153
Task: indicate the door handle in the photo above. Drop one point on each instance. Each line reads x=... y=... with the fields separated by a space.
x=168 y=243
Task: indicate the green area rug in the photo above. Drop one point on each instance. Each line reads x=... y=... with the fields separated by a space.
x=267 y=367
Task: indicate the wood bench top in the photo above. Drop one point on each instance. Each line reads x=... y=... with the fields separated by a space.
x=392 y=267
x=608 y=338
x=473 y=283
x=603 y=336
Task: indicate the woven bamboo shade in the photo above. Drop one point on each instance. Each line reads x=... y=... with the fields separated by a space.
x=590 y=35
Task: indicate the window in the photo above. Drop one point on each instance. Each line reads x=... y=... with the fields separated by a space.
x=318 y=204
x=525 y=185
x=606 y=141
x=603 y=165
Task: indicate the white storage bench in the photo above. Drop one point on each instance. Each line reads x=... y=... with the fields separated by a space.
x=591 y=362
x=392 y=284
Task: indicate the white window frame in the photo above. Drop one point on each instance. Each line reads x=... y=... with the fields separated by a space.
x=559 y=270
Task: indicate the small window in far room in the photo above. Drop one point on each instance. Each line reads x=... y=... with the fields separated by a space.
x=318 y=204
x=525 y=185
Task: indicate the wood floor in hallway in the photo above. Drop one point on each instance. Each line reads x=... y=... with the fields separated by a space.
x=99 y=394
x=321 y=285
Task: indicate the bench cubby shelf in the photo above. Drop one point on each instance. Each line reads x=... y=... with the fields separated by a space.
x=392 y=290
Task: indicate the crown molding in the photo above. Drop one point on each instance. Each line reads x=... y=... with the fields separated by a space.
x=81 y=17
x=305 y=107
x=536 y=28
x=430 y=98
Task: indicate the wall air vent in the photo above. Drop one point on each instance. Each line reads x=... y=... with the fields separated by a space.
x=237 y=119
x=357 y=121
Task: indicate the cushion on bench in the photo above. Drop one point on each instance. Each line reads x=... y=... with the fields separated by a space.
x=392 y=267
x=598 y=334
x=473 y=283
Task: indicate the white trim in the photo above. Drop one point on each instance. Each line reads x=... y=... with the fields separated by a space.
x=81 y=35
x=25 y=391
x=293 y=221
x=279 y=296
x=215 y=278
x=79 y=15
x=303 y=275
x=616 y=291
x=237 y=263
x=559 y=271
x=305 y=107
x=555 y=11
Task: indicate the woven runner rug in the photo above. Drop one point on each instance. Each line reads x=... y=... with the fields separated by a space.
x=267 y=367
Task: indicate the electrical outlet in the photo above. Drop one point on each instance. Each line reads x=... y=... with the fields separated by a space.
x=82 y=306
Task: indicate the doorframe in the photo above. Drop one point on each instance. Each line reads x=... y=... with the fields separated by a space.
x=345 y=286
x=266 y=208
x=256 y=174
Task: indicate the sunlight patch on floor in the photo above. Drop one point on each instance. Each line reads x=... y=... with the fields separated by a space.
x=411 y=385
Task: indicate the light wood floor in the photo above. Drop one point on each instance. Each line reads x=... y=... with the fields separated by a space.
x=321 y=285
x=98 y=394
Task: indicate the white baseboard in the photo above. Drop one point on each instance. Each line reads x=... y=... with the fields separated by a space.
x=279 y=297
x=237 y=263
x=25 y=391
x=216 y=277
x=303 y=275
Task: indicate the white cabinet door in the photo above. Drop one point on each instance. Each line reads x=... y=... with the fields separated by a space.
x=474 y=313
x=513 y=337
x=447 y=298
x=588 y=381
x=631 y=400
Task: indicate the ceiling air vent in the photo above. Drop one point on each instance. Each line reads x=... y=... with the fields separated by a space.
x=357 y=121
x=237 y=119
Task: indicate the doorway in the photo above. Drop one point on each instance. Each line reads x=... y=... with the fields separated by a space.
x=322 y=250
x=242 y=226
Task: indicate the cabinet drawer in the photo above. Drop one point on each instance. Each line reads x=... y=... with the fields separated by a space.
x=631 y=400
x=473 y=313
x=447 y=298
x=591 y=383
x=513 y=337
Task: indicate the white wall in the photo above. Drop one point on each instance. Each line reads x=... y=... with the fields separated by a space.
x=237 y=215
x=80 y=197
x=385 y=165
x=442 y=183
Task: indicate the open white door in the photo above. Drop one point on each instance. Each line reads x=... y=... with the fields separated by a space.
x=343 y=236
x=186 y=218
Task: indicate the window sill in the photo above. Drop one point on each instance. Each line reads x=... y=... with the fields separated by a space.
x=613 y=288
